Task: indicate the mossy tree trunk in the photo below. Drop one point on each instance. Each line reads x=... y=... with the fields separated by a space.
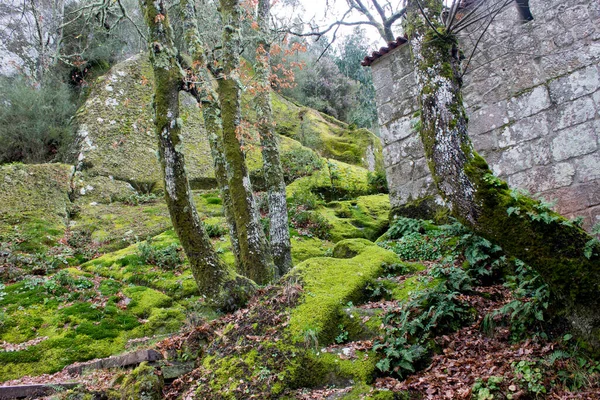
x=215 y=280
x=201 y=86
x=550 y=244
x=279 y=233
x=255 y=256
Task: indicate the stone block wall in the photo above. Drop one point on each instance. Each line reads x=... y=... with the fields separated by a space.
x=532 y=94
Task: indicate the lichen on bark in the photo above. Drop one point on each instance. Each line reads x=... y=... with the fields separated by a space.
x=255 y=255
x=553 y=246
x=216 y=281
x=278 y=217
x=202 y=89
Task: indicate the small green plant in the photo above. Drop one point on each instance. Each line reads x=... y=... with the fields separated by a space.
x=342 y=337
x=305 y=199
x=214 y=200
x=2 y=291
x=311 y=339
x=391 y=270
x=529 y=376
x=377 y=290
x=214 y=230
x=527 y=311
x=457 y=278
x=484 y=389
x=377 y=182
x=404 y=226
x=298 y=162
x=166 y=257
x=416 y=246
x=138 y=198
x=309 y=223
x=408 y=330
x=576 y=369
x=593 y=245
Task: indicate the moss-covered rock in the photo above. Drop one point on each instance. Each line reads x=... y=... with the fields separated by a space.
x=334 y=181
x=326 y=135
x=143 y=383
x=116 y=133
x=34 y=204
x=330 y=283
x=364 y=217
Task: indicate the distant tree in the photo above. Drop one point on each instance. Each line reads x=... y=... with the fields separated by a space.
x=352 y=50
x=35 y=119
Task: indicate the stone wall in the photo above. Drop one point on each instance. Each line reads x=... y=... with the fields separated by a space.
x=532 y=94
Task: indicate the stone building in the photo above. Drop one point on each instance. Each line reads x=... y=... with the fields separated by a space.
x=532 y=92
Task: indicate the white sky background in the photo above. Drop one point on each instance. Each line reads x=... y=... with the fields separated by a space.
x=317 y=11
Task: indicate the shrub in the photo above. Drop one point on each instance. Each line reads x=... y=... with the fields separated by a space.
x=527 y=312
x=404 y=226
x=166 y=257
x=309 y=223
x=408 y=330
x=377 y=182
x=298 y=162
x=416 y=246
x=305 y=199
x=35 y=121
x=214 y=230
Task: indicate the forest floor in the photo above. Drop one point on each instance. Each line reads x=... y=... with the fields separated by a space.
x=428 y=312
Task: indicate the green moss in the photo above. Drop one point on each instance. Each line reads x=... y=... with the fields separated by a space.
x=330 y=283
x=144 y=300
x=362 y=392
x=546 y=241
x=142 y=384
x=304 y=248
x=336 y=180
x=35 y=204
x=412 y=285
x=364 y=217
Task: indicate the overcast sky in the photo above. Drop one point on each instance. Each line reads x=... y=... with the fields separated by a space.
x=317 y=10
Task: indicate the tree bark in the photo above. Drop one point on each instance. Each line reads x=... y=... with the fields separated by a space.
x=255 y=255
x=550 y=244
x=279 y=233
x=215 y=280
x=208 y=100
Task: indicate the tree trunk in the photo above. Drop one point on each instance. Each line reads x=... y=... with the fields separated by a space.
x=550 y=244
x=255 y=255
x=278 y=217
x=208 y=100
x=215 y=280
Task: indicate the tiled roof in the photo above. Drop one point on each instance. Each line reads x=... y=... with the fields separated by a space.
x=382 y=51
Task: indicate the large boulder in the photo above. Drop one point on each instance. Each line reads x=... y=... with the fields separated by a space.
x=34 y=204
x=116 y=132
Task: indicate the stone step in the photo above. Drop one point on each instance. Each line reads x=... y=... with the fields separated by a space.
x=32 y=391
x=125 y=360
